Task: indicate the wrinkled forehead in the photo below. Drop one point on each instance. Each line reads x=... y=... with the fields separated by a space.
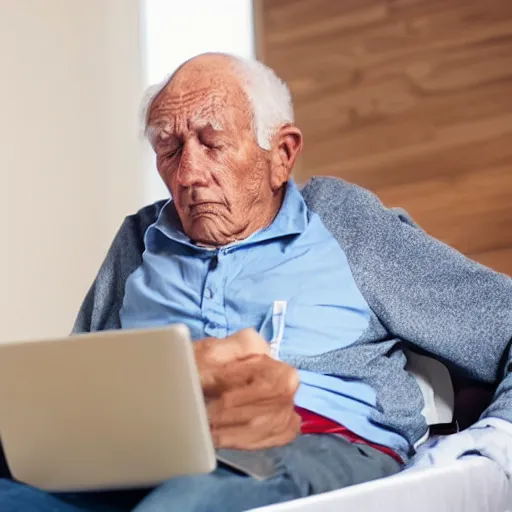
x=186 y=105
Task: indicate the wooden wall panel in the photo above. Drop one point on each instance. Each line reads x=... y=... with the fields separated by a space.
x=409 y=98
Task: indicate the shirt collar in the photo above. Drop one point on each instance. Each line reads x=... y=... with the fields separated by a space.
x=291 y=219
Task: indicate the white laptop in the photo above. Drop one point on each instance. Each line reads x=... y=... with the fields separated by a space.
x=107 y=410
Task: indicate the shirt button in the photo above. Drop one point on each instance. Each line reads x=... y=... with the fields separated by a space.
x=208 y=293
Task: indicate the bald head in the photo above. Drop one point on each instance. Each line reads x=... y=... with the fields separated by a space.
x=269 y=98
x=218 y=66
x=208 y=86
x=201 y=124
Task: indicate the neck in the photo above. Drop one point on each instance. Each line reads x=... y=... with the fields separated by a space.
x=262 y=218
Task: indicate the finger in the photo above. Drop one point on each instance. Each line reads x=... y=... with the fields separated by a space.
x=258 y=379
x=242 y=344
x=238 y=373
x=212 y=353
x=253 y=437
x=221 y=417
x=258 y=368
x=248 y=342
x=220 y=378
x=224 y=377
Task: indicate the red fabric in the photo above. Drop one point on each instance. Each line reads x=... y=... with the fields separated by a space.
x=315 y=424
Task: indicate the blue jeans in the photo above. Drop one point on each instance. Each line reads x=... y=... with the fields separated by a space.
x=310 y=465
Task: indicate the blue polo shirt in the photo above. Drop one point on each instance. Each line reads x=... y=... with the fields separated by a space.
x=291 y=282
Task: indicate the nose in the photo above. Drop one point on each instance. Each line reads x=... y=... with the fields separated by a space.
x=192 y=171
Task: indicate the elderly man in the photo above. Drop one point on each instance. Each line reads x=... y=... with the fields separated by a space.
x=322 y=286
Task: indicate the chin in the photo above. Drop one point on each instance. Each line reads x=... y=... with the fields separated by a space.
x=203 y=231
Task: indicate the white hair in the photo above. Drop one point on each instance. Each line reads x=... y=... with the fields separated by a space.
x=268 y=95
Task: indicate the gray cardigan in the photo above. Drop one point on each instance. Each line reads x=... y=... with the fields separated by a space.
x=422 y=293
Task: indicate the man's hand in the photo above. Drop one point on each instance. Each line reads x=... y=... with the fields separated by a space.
x=249 y=395
x=490 y=438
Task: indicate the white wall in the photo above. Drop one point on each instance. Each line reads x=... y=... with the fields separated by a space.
x=175 y=31
x=71 y=165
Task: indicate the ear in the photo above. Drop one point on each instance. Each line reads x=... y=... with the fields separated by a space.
x=286 y=146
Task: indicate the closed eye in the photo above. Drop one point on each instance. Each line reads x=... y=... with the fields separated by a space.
x=212 y=146
x=209 y=141
x=172 y=153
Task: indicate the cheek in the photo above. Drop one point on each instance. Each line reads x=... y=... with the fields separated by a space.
x=166 y=172
x=237 y=166
x=251 y=173
x=168 y=176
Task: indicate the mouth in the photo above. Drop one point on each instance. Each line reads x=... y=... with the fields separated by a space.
x=203 y=208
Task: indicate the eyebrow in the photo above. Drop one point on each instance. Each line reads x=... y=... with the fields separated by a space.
x=199 y=125
x=161 y=132
x=155 y=136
